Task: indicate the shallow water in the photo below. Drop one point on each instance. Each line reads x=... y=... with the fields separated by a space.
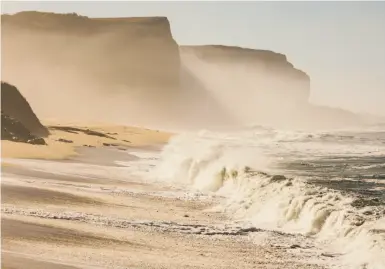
x=326 y=186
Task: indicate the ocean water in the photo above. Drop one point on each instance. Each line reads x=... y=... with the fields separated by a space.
x=317 y=195
x=323 y=192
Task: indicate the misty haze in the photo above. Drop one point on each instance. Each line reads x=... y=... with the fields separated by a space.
x=163 y=135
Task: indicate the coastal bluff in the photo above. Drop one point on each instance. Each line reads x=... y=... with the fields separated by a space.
x=131 y=52
x=103 y=69
x=260 y=86
x=132 y=71
x=269 y=74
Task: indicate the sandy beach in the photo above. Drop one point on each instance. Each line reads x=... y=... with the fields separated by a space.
x=192 y=135
x=66 y=205
x=65 y=138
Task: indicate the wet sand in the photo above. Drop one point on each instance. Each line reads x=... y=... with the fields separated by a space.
x=88 y=212
x=15 y=261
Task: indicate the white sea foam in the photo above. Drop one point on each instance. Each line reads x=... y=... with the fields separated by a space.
x=364 y=167
x=240 y=167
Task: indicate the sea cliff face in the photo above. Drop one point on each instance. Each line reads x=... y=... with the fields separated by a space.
x=270 y=74
x=135 y=52
x=256 y=85
x=132 y=71
x=100 y=68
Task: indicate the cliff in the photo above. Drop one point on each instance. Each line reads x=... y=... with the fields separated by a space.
x=270 y=74
x=18 y=121
x=104 y=69
x=131 y=71
x=133 y=52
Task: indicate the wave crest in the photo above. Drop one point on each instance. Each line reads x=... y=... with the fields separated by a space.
x=255 y=193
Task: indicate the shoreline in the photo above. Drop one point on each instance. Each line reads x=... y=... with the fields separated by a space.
x=65 y=217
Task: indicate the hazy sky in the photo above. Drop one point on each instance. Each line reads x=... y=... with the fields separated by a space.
x=341 y=45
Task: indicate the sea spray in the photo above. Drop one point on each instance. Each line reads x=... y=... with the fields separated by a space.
x=243 y=170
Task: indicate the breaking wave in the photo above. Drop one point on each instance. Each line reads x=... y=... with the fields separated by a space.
x=246 y=169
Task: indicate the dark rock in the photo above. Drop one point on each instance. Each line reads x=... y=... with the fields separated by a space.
x=378 y=231
x=37 y=141
x=363 y=202
x=14 y=130
x=65 y=140
x=88 y=146
x=277 y=178
x=110 y=145
x=186 y=216
x=91 y=132
x=124 y=140
x=79 y=130
x=16 y=106
x=71 y=131
x=249 y=230
x=358 y=222
x=247 y=169
x=295 y=246
x=330 y=255
x=367 y=213
x=18 y=121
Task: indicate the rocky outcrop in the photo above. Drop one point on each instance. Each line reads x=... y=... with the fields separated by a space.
x=14 y=130
x=18 y=121
x=17 y=107
x=113 y=52
x=269 y=74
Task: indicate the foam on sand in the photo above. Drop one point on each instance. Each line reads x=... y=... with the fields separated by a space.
x=240 y=169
